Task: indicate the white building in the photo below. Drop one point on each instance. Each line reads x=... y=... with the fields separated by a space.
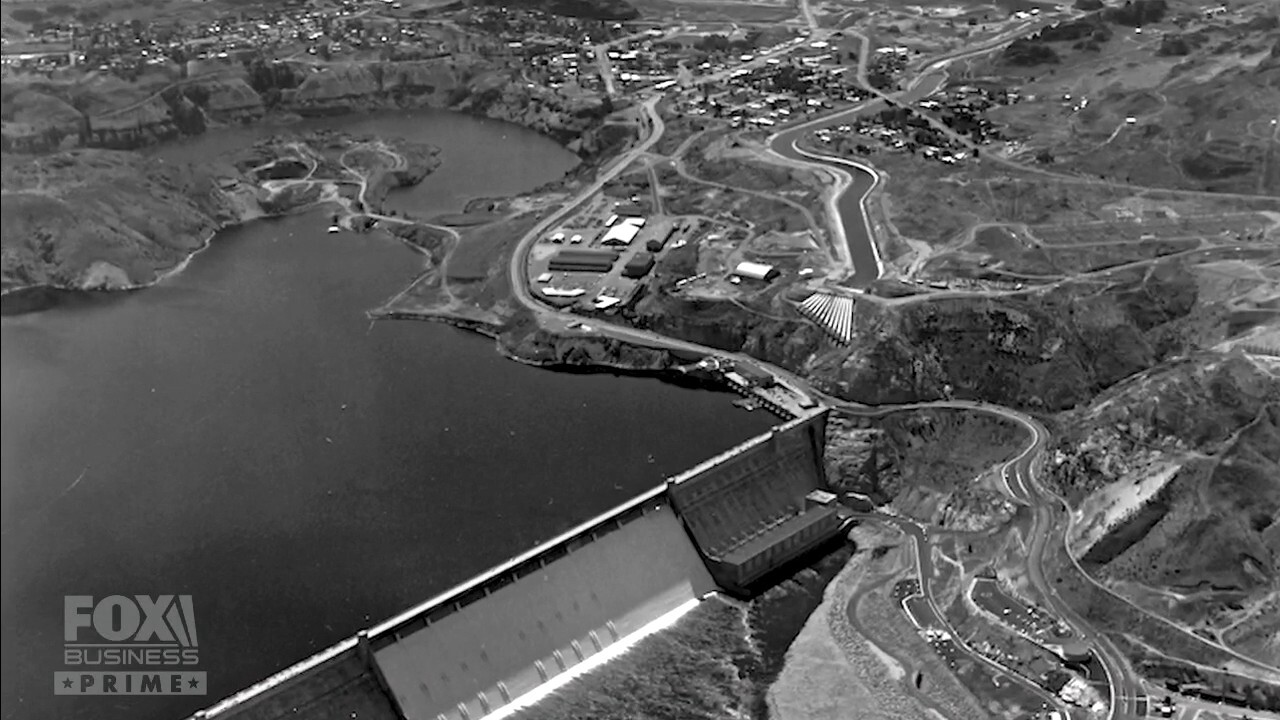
x=755 y=271
x=622 y=232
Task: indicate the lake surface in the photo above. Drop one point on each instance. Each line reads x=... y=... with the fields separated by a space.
x=242 y=433
x=480 y=157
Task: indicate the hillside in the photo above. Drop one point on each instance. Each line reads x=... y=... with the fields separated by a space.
x=1166 y=96
x=104 y=219
x=1204 y=549
x=44 y=115
x=908 y=459
x=1047 y=350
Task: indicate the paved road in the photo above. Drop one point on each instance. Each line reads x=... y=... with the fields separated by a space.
x=853 y=229
x=1019 y=475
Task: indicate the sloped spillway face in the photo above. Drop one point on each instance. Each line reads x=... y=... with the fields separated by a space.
x=748 y=508
x=541 y=617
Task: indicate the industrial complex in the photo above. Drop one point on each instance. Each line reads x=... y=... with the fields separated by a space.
x=491 y=643
x=600 y=258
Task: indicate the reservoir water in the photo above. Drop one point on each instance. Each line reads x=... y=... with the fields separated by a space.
x=243 y=434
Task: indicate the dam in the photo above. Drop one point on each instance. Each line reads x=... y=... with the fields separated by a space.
x=487 y=644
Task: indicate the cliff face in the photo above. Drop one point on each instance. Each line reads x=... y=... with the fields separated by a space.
x=144 y=123
x=100 y=218
x=341 y=88
x=33 y=121
x=229 y=100
x=416 y=83
x=907 y=459
x=235 y=94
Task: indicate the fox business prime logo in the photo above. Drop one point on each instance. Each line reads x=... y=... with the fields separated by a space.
x=120 y=645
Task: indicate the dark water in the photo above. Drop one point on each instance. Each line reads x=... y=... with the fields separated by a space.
x=242 y=433
x=480 y=157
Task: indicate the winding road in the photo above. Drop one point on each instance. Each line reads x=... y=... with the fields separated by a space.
x=1050 y=513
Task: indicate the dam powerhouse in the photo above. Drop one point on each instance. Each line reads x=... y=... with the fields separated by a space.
x=491 y=643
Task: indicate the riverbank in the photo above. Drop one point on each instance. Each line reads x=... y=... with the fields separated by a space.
x=260 y=413
x=98 y=220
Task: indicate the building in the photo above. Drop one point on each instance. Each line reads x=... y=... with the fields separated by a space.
x=755 y=377
x=755 y=271
x=555 y=292
x=622 y=232
x=583 y=260
x=639 y=265
x=1074 y=651
x=752 y=510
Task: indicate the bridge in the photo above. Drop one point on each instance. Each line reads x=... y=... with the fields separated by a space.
x=504 y=638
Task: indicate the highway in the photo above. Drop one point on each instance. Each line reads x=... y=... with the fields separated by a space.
x=1019 y=475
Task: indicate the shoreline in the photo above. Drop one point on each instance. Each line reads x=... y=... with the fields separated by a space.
x=284 y=119
x=673 y=375
x=16 y=293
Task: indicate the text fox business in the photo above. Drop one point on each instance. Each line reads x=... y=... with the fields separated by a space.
x=146 y=657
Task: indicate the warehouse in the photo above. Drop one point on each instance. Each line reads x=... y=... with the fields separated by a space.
x=639 y=265
x=623 y=232
x=755 y=271
x=581 y=260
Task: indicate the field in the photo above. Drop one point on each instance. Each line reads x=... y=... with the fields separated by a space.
x=1178 y=101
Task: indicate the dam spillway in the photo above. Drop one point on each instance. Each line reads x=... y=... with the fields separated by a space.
x=540 y=616
x=483 y=645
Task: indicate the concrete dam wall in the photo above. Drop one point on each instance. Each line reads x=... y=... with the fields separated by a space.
x=542 y=616
x=749 y=509
x=484 y=644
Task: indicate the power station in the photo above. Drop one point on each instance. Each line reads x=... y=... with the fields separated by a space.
x=490 y=642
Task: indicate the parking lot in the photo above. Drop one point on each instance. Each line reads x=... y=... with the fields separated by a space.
x=1031 y=621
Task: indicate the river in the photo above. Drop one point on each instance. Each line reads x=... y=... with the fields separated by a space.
x=857 y=229
x=242 y=433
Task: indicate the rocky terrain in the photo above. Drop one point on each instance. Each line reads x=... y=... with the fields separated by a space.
x=1044 y=350
x=42 y=116
x=1205 y=547
x=105 y=219
x=109 y=219
x=909 y=459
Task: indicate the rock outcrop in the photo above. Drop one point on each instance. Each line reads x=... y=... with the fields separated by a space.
x=38 y=122
x=143 y=123
x=907 y=459
x=237 y=94
x=229 y=100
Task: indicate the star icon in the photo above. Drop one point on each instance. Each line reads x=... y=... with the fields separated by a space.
x=193 y=683
x=66 y=683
